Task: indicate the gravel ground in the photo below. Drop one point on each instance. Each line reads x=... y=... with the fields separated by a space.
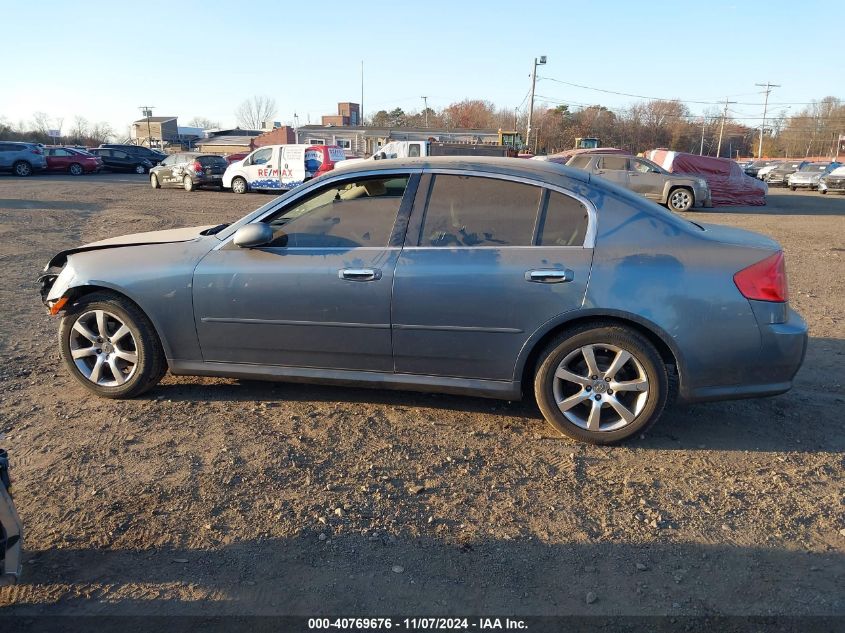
x=223 y=496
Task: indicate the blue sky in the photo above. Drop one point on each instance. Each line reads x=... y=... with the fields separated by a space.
x=102 y=60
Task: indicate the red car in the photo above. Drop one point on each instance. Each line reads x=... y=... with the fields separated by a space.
x=231 y=158
x=73 y=161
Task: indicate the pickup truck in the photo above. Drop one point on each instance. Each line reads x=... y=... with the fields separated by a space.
x=11 y=533
x=412 y=149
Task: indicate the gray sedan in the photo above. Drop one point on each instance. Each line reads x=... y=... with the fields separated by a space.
x=489 y=277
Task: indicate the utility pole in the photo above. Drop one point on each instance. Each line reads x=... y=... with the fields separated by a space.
x=722 y=127
x=147 y=111
x=537 y=62
x=362 y=94
x=425 y=109
x=703 y=125
x=768 y=87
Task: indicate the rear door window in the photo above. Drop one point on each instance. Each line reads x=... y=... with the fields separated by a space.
x=477 y=211
x=614 y=163
x=563 y=221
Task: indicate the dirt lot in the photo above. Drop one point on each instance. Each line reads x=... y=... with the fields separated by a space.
x=218 y=496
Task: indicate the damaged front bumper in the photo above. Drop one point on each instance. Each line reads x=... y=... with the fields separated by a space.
x=11 y=532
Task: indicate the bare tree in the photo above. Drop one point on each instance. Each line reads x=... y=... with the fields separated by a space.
x=40 y=122
x=101 y=132
x=203 y=122
x=253 y=112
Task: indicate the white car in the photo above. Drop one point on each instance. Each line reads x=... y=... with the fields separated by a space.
x=764 y=171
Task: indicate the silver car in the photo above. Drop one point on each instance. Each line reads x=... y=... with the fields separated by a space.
x=810 y=174
x=491 y=277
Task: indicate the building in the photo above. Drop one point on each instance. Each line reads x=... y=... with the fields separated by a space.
x=227 y=141
x=347 y=114
x=154 y=130
x=360 y=141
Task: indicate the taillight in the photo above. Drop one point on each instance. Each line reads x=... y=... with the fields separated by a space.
x=765 y=280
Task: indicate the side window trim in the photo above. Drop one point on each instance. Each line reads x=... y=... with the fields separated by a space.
x=418 y=213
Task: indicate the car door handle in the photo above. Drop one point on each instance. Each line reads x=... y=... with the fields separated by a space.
x=553 y=276
x=359 y=274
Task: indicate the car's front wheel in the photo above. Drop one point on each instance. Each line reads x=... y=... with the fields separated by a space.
x=187 y=183
x=22 y=168
x=238 y=185
x=154 y=183
x=601 y=384
x=110 y=346
x=75 y=169
x=140 y=169
x=680 y=199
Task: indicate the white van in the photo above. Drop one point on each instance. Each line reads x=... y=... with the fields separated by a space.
x=280 y=167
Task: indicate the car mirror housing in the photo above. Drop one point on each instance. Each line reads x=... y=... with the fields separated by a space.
x=253 y=235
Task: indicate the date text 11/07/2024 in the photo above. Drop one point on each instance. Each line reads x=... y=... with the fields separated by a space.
x=417 y=624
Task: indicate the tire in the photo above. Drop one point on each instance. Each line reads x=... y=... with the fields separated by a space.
x=22 y=169
x=140 y=169
x=187 y=183
x=238 y=185
x=823 y=192
x=793 y=188
x=75 y=169
x=154 y=183
x=129 y=364
x=680 y=199
x=643 y=373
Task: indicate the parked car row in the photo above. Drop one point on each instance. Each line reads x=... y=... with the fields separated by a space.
x=24 y=159
x=795 y=174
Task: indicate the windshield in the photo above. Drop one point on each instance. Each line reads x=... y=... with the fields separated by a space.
x=815 y=167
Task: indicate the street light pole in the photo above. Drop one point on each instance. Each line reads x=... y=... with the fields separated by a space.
x=537 y=62
x=768 y=86
x=147 y=111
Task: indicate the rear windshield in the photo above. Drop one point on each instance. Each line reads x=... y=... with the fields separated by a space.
x=211 y=161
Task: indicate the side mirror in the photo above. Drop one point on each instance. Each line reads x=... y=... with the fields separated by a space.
x=253 y=235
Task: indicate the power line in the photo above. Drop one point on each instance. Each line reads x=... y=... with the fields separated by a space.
x=699 y=102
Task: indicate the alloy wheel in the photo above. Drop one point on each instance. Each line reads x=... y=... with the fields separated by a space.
x=103 y=348
x=600 y=387
x=681 y=199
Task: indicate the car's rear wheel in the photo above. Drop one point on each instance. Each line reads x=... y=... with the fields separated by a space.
x=75 y=169
x=22 y=168
x=238 y=185
x=680 y=199
x=601 y=384
x=822 y=191
x=154 y=183
x=140 y=169
x=110 y=346
x=793 y=188
x=187 y=183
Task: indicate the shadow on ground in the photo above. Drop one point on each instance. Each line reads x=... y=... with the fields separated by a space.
x=789 y=422
x=352 y=574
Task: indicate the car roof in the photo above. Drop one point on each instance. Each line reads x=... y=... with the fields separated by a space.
x=506 y=166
